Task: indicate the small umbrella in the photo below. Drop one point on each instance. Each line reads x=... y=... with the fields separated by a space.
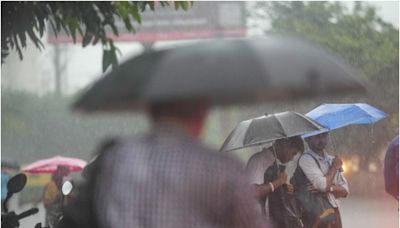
x=50 y=165
x=268 y=128
x=333 y=116
x=225 y=71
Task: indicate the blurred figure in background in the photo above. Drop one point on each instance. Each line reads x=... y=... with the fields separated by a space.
x=8 y=170
x=324 y=173
x=4 y=179
x=391 y=168
x=168 y=178
x=52 y=195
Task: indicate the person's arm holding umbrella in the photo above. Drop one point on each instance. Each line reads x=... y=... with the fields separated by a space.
x=285 y=150
x=330 y=176
x=339 y=186
x=256 y=166
x=334 y=180
x=322 y=182
x=263 y=190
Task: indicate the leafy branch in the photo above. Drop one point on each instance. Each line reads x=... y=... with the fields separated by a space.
x=27 y=20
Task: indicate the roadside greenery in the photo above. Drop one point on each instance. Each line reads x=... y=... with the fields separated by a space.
x=362 y=39
x=88 y=19
x=359 y=36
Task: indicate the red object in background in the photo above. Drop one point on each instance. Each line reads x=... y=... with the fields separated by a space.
x=205 y=19
x=50 y=165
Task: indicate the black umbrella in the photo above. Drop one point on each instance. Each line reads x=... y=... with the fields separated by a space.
x=267 y=128
x=227 y=71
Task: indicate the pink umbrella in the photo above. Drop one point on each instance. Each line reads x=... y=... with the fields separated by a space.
x=50 y=165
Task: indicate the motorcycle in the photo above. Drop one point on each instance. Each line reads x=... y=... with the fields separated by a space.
x=11 y=219
x=66 y=190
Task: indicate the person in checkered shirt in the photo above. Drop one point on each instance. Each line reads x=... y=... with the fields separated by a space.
x=168 y=178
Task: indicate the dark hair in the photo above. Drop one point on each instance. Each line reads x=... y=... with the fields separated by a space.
x=180 y=109
x=59 y=174
x=295 y=142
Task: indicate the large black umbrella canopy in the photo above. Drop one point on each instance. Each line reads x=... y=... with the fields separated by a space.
x=224 y=72
x=268 y=128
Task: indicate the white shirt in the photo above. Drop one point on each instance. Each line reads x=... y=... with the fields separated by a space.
x=316 y=175
x=259 y=163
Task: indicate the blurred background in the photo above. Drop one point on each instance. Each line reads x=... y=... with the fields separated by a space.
x=37 y=92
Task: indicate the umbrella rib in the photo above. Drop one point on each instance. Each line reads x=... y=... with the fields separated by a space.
x=280 y=124
x=378 y=114
x=249 y=145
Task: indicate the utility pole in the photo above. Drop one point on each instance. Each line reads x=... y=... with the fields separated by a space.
x=59 y=69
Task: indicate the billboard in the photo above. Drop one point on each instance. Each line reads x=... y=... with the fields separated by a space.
x=202 y=20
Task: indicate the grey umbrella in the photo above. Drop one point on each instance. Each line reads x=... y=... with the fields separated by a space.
x=230 y=71
x=267 y=128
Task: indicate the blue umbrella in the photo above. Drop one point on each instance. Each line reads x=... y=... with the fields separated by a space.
x=333 y=116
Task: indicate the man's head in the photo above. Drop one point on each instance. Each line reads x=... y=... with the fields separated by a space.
x=189 y=114
x=317 y=143
x=62 y=170
x=287 y=148
x=60 y=173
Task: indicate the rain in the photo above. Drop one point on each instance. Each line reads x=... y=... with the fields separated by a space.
x=38 y=93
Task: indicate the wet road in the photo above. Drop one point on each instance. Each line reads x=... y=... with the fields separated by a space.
x=356 y=212
x=370 y=213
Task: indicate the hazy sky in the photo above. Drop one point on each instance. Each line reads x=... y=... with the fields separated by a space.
x=388 y=10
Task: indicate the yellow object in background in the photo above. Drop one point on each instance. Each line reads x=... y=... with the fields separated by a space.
x=37 y=180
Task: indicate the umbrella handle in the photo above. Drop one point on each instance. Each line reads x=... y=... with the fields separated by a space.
x=276 y=157
x=372 y=133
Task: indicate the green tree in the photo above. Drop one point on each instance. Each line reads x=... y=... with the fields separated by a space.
x=27 y=20
x=361 y=38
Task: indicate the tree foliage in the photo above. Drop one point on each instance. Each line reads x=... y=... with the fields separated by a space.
x=28 y=20
x=361 y=38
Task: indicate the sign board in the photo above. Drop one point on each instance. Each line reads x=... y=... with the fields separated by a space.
x=202 y=20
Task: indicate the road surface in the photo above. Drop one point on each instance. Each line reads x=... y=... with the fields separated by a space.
x=356 y=212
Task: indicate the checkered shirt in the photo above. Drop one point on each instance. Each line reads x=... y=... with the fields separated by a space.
x=168 y=179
